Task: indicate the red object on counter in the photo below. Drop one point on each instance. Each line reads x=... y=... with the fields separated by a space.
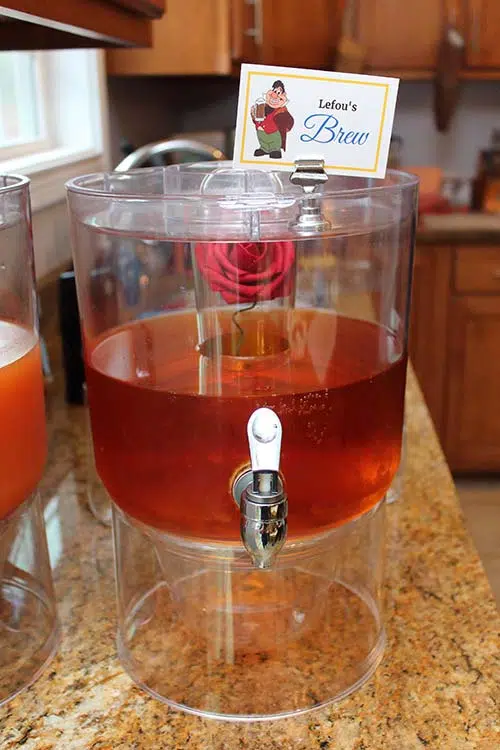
x=434 y=203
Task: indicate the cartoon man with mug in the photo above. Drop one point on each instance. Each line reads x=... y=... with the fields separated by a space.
x=272 y=121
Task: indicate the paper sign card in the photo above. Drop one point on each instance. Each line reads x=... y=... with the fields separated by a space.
x=285 y=114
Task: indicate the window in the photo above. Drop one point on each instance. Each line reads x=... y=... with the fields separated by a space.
x=51 y=113
x=22 y=115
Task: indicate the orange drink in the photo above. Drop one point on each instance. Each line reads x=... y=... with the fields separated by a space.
x=23 y=442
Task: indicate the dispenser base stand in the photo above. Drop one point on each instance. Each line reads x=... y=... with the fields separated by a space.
x=203 y=631
x=29 y=628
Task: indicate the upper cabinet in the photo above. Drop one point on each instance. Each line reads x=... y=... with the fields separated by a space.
x=402 y=37
x=57 y=24
x=192 y=38
x=214 y=37
x=393 y=37
x=399 y=35
x=300 y=33
x=483 y=25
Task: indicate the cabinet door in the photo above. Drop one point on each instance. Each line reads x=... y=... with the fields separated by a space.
x=428 y=325
x=400 y=34
x=300 y=33
x=472 y=441
x=483 y=48
x=246 y=31
x=192 y=38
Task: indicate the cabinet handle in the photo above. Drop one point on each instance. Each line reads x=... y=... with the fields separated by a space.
x=257 y=32
x=476 y=26
x=496 y=274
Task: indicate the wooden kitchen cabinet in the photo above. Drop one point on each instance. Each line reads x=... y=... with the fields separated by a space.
x=297 y=33
x=193 y=38
x=477 y=270
x=428 y=325
x=214 y=37
x=472 y=434
x=54 y=24
x=245 y=31
x=402 y=38
x=483 y=28
x=454 y=346
x=399 y=35
x=150 y=8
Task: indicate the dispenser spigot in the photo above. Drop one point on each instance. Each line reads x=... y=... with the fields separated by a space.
x=262 y=499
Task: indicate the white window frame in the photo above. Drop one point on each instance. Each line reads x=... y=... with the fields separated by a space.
x=77 y=141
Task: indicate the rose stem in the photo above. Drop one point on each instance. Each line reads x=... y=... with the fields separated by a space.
x=241 y=333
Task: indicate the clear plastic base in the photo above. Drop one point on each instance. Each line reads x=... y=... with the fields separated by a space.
x=205 y=632
x=29 y=632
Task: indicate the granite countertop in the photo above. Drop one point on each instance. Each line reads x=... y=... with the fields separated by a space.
x=437 y=687
x=472 y=228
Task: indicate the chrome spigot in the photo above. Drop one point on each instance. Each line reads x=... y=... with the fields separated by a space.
x=260 y=493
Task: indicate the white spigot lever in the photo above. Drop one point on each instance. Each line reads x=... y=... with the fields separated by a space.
x=264 y=438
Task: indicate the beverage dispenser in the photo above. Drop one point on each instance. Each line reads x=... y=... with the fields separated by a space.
x=245 y=339
x=29 y=628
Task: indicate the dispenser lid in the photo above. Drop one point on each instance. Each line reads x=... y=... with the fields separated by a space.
x=217 y=201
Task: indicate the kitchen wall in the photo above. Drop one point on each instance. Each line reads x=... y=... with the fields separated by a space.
x=477 y=115
x=143 y=110
x=51 y=238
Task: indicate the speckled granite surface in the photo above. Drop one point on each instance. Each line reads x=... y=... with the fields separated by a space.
x=437 y=687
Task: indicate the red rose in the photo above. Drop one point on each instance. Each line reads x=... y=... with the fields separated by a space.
x=247 y=271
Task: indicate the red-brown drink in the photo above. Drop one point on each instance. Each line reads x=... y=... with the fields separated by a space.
x=169 y=423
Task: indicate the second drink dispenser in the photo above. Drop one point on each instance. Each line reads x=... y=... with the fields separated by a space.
x=247 y=409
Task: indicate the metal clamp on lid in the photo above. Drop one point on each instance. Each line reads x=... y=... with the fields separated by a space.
x=309 y=173
x=263 y=502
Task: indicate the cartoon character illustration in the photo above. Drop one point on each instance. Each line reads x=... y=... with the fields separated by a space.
x=272 y=121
